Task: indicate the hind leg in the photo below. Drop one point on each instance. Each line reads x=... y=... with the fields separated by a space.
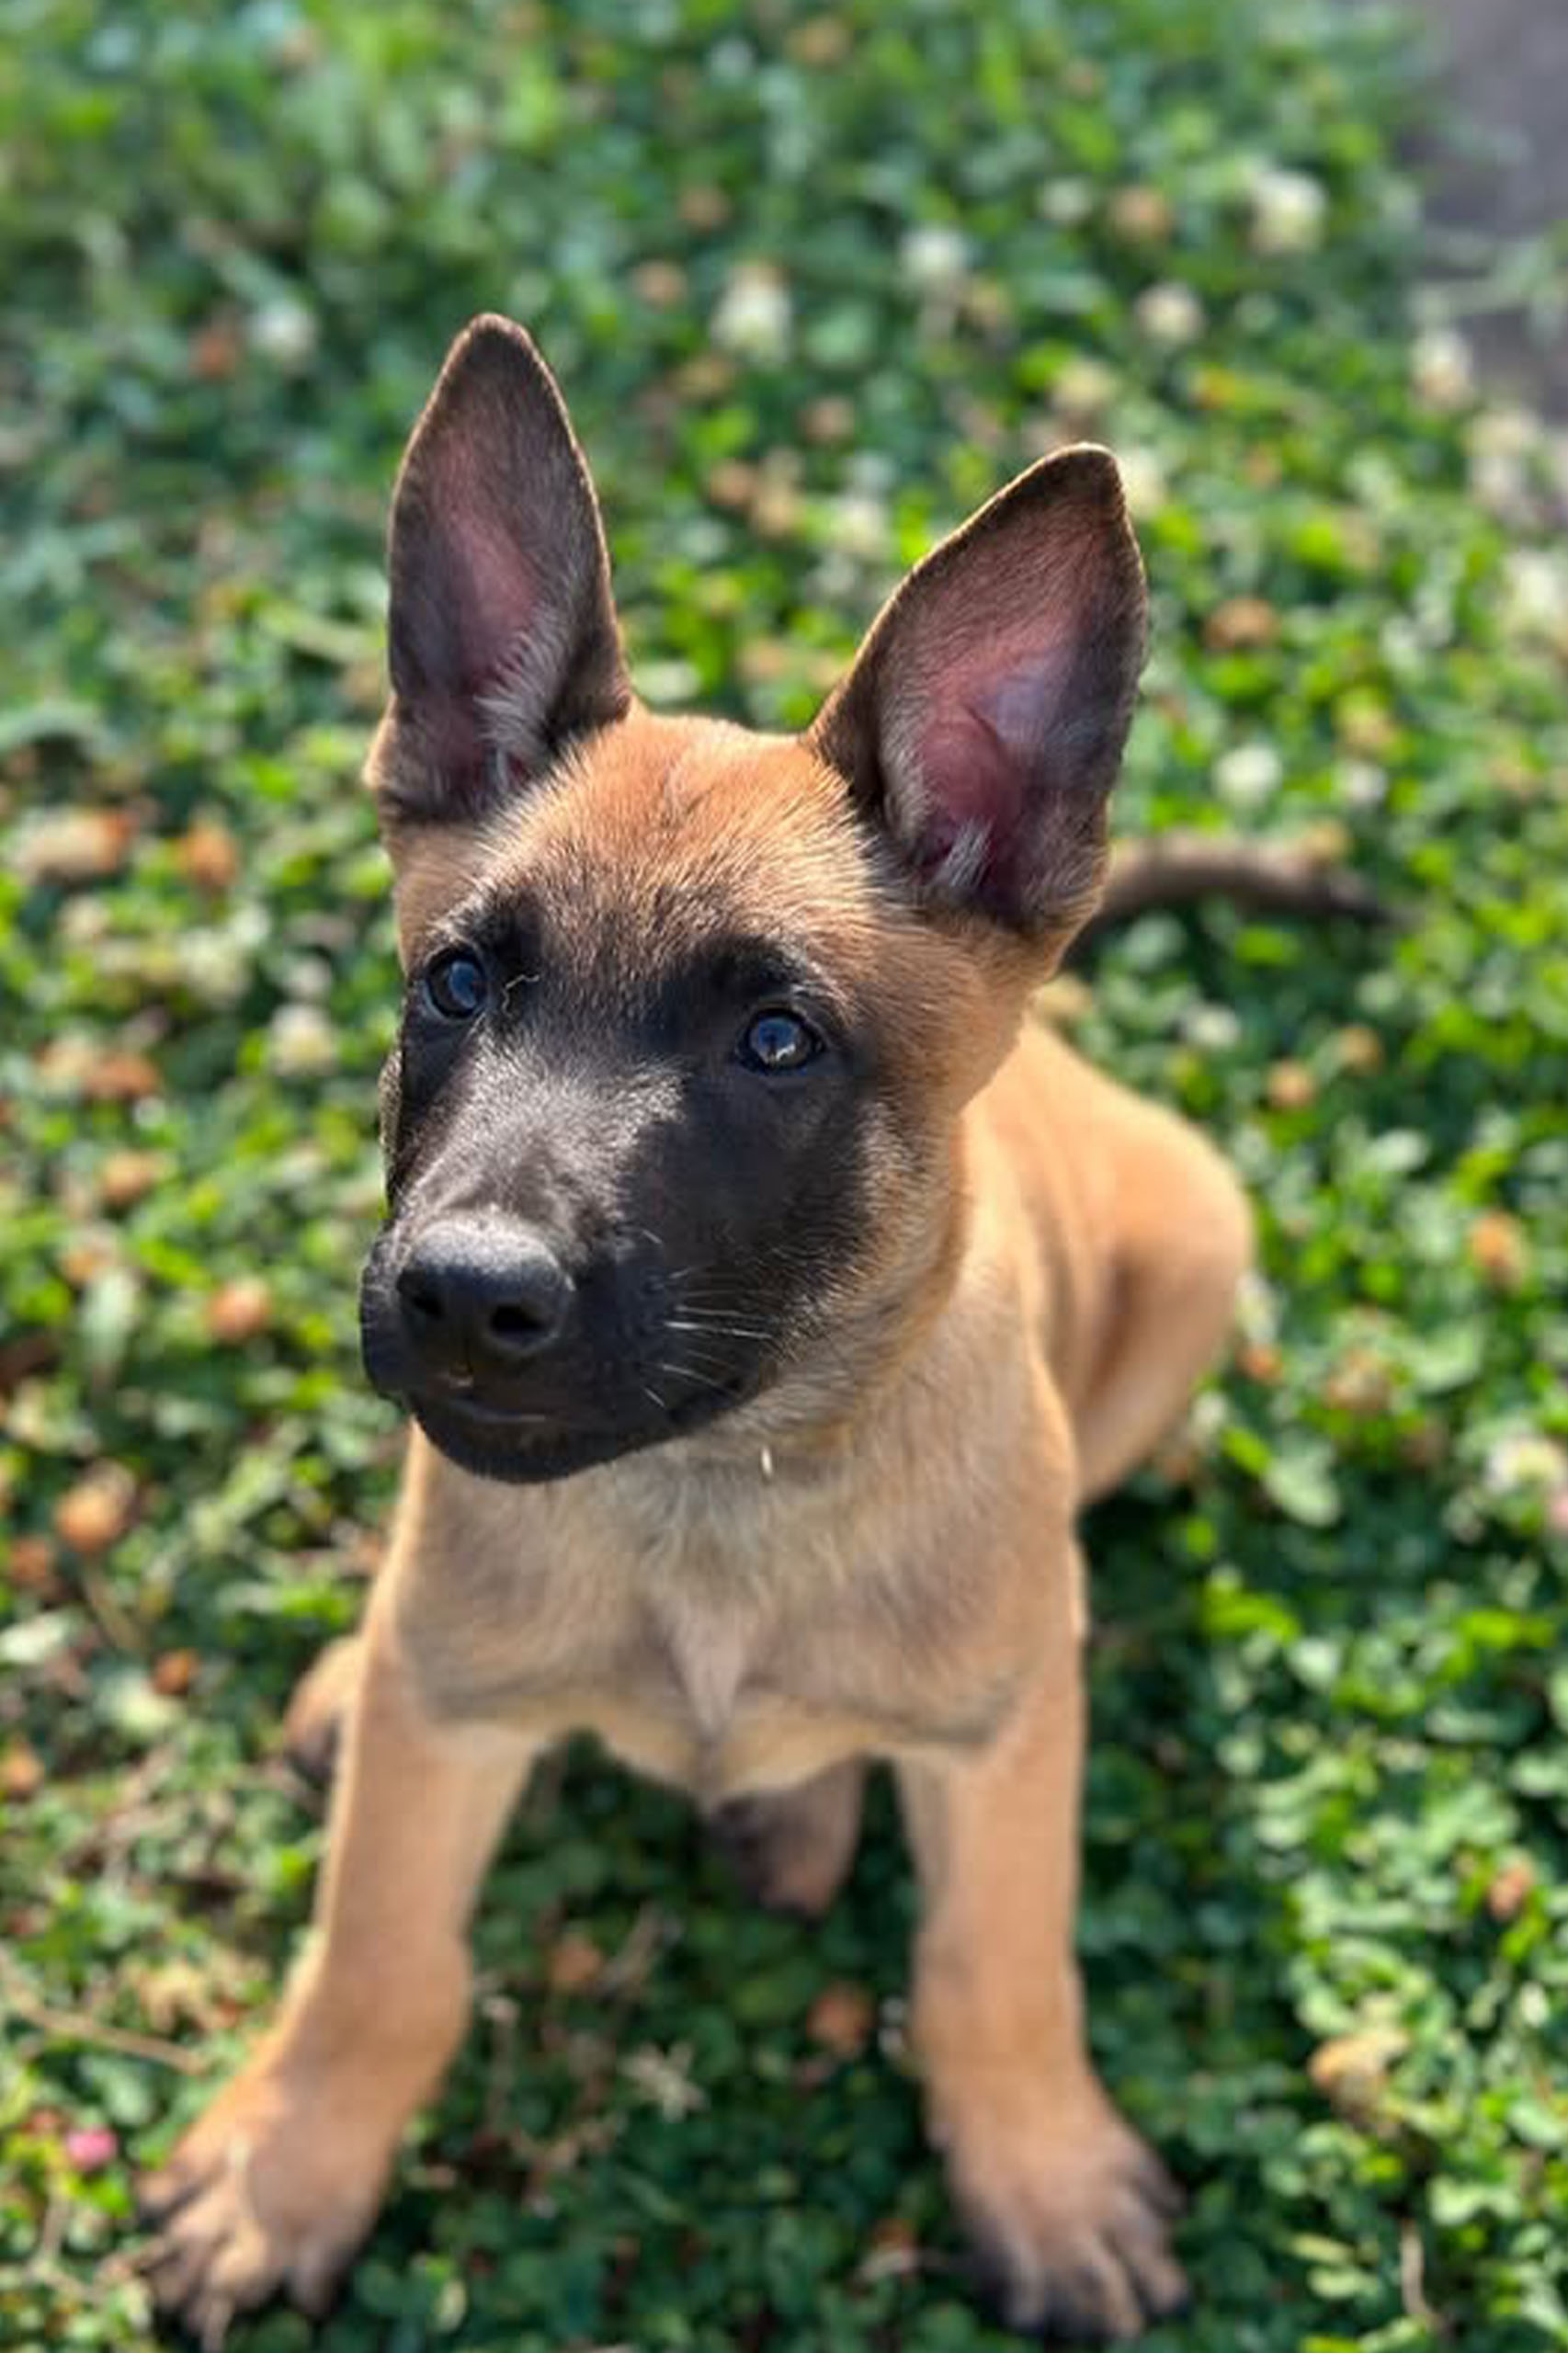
x=791 y=1849
x=1183 y=1242
x=315 y=1725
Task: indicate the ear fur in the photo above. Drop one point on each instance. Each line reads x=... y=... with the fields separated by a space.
x=983 y=723
x=502 y=638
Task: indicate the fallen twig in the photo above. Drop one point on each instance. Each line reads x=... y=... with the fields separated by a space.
x=69 y=2026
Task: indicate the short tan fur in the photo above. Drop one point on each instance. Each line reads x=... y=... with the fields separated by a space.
x=873 y=1552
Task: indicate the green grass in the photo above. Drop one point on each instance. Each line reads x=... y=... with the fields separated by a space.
x=1330 y=1779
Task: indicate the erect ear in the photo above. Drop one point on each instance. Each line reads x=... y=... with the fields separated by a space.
x=983 y=724
x=503 y=636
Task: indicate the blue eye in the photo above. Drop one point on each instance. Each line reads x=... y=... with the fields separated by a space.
x=779 y=1041
x=456 y=985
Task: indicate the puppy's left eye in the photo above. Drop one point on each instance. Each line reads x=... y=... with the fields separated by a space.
x=778 y=1041
x=456 y=985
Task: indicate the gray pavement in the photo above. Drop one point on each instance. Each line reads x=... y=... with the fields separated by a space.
x=1501 y=166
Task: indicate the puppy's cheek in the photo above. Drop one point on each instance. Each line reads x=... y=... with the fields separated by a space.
x=380 y=1331
x=388 y=1096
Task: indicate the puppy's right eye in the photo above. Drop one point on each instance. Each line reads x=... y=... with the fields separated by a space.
x=778 y=1041
x=456 y=985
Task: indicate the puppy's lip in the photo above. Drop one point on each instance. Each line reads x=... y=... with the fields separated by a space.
x=520 y=1430
x=462 y=1401
x=513 y=1448
x=476 y=1409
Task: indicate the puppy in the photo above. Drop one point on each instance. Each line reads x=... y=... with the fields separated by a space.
x=768 y=1300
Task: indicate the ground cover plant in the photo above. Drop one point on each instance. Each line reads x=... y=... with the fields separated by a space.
x=817 y=279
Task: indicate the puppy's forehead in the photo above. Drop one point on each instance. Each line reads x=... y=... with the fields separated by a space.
x=663 y=838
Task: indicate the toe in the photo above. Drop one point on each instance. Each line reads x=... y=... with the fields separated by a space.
x=1155 y=2184
x=1092 y=2303
x=316 y=2274
x=208 y=2318
x=1137 y=2241
x=160 y=2194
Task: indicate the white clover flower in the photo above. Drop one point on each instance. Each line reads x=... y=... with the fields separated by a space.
x=1535 y=593
x=732 y=59
x=935 y=259
x=1289 y=210
x=857 y=525
x=309 y=978
x=85 y=921
x=1205 y=1419
x=284 y=330
x=1442 y=372
x=1212 y=1028
x=1085 y=388
x=872 y=470
x=835 y=578
x=1170 y=314
x=669 y=683
x=1067 y=202
x=753 y=313
x=1249 y=775
x=209 y=967
x=1362 y=784
x=1143 y=479
x=1497 y=483
x=301 y=1041
x=1503 y=432
x=1500 y=444
x=664 y=2079
x=1401 y=645
x=1257 y=1306
x=1523 y=1458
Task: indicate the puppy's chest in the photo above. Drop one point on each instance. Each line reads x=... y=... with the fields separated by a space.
x=708 y=1695
x=707 y=1685
x=720 y=1668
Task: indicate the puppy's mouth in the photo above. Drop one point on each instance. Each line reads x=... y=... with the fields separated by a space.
x=522 y=1446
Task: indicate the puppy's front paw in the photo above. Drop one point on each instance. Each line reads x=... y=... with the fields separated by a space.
x=1069 y=2214
x=270 y=2191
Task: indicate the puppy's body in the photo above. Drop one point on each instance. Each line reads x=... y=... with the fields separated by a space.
x=740 y=1609
x=769 y=1305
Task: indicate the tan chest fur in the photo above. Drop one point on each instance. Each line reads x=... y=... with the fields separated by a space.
x=742 y=1640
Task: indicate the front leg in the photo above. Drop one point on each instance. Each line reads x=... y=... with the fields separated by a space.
x=1067 y=2207
x=275 y=2184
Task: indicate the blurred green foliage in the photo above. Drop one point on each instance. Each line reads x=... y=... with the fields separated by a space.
x=816 y=281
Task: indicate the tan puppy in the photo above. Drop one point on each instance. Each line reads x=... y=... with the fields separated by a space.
x=769 y=1304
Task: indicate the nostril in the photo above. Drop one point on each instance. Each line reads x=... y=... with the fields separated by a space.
x=421 y=1298
x=513 y=1322
x=529 y=1314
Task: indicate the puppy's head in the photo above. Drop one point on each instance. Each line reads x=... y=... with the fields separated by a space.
x=691 y=1012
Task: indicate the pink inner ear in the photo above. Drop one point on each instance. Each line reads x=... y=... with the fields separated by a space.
x=498 y=597
x=969 y=778
x=986 y=745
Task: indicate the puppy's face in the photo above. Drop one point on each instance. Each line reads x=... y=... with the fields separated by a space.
x=664 y=1105
x=690 y=1013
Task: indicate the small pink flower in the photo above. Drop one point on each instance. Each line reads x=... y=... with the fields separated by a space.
x=91 y=2147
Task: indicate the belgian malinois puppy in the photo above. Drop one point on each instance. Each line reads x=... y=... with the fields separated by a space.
x=768 y=1300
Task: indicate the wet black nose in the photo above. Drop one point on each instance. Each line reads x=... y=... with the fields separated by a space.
x=482 y=1296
